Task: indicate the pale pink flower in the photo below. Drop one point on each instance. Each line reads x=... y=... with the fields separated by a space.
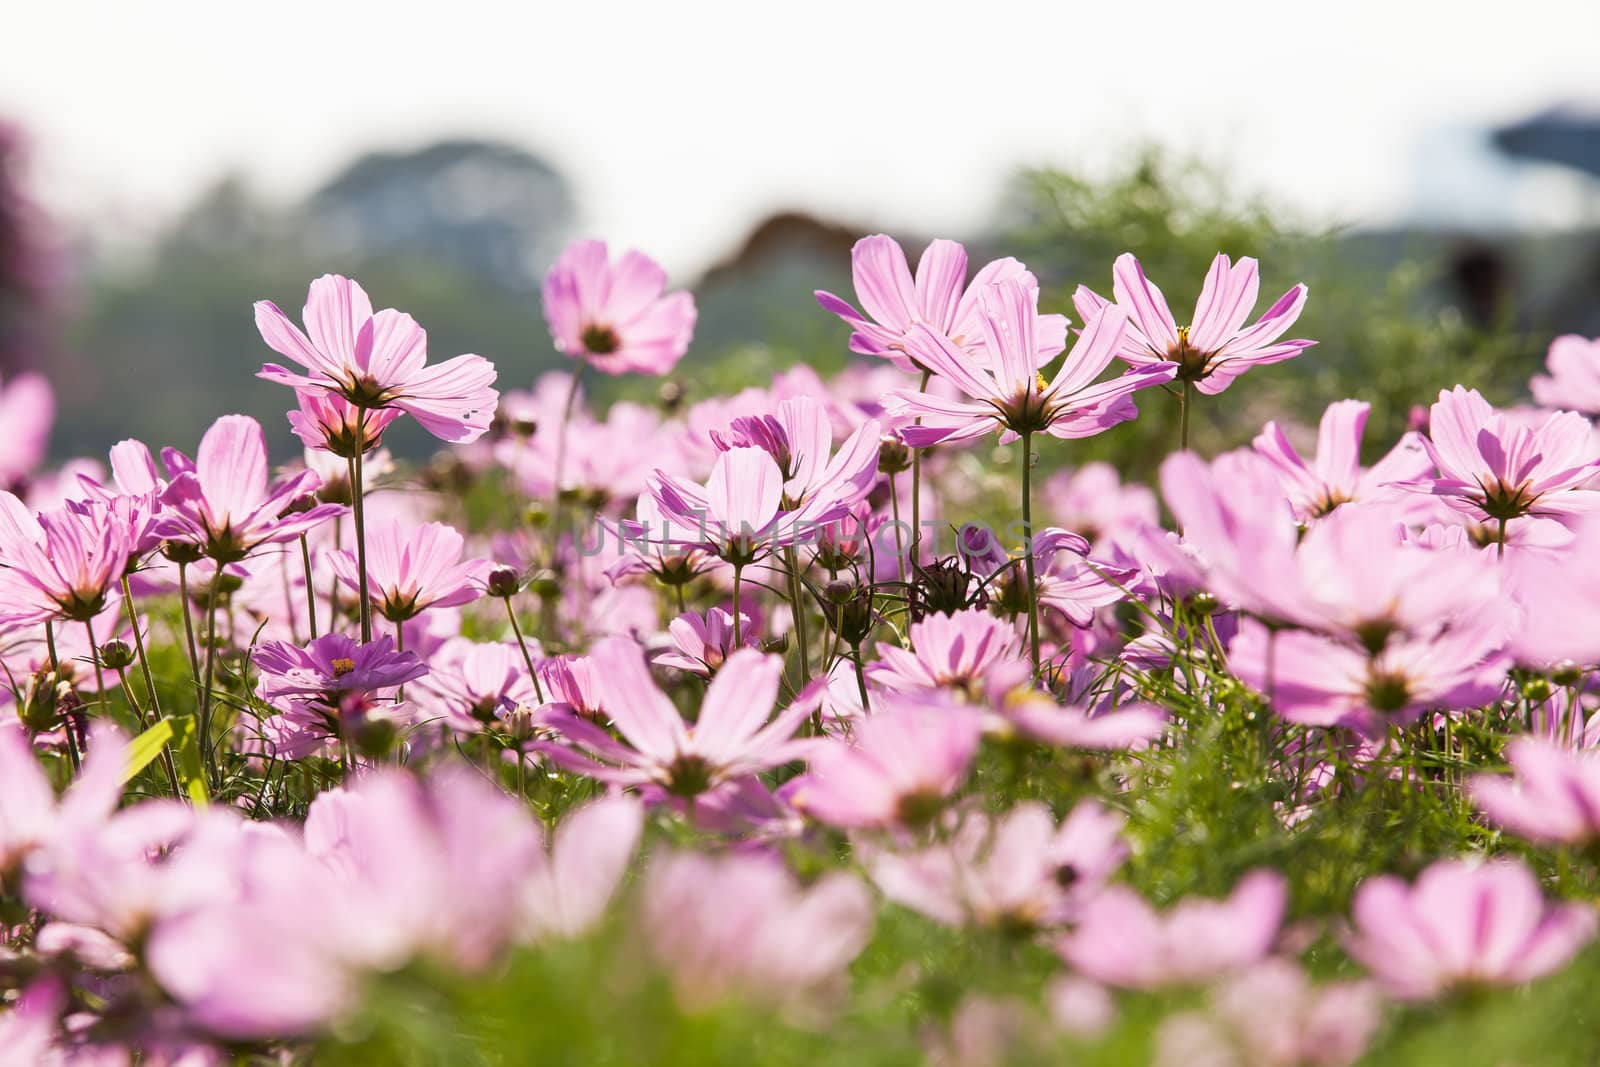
x=1463 y=925
x=62 y=564
x=1217 y=346
x=740 y=926
x=377 y=361
x=1552 y=796
x=1011 y=395
x=412 y=570
x=327 y=422
x=27 y=411
x=938 y=297
x=799 y=438
x=1018 y=873
x=1122 y=941
x=473 y=684
x=572 y=882
x=1336 y=476
x=954 y=653
x=901 y=765
x=732 y=737
x=1093 y=501
x=701 y=644
x=1573 y=383
x=1016 y=709
x=616 y=316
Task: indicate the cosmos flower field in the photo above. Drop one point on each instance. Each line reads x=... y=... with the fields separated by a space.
x=792 y=726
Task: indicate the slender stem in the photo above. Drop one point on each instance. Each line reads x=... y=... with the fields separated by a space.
x=738 y=634
x=99 y=673
x=916 y=511
x=400 y=646
x=861 y=682
x=899 y=545
x=311 y=590
x=357 y=491
x=1500 y=547
x=147 y=722
x=558 y=518
x=66 y=718
x=188 y=631
x=791 y=557
x=138 y=647
x=333 y=591
x=1183 y=418
x=516 y=628
x=1027 y=549
x=211 y=668
x=682 y=607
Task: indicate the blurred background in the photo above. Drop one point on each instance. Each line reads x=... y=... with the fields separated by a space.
x=1433 y=175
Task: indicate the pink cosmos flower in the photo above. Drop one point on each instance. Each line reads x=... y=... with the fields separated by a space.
x=894 y=301
x=1121 y=941
x=1552 y=796
x=1318 y=682
x=332 y=665
x=572 y=882
x=740 y=926
x=614 y=315
x=64 y=564
x=1492 y=469
x=30 y=814
x=1011 y=395
x=472 y=684
x=799 y=438
x=701 y=644
x=1463 y=925
x=27 y=411
x=1336 y=476
x=731 y=738
x=1019 y=873
x=1093 y=501
x=327 y=422
x=1272 y=1016
x=1217 y=347
x=905 y=760
x=377 y=361
x=954 y=653
x=1573 y=383
x=222 y=502
x=573 y=681
x=1016 y=709
x=412 y=570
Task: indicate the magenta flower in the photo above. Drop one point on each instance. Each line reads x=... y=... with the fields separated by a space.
x=733 y=736
x=222 y=502
x=1493 y=469
x=955 y=653
x=410 y=571
x=1336 y=476
x=327 y=422
x=938 y=298
x=1217 y=347
x=1011 y=395
x=614 y=316
x=1573 y=383
x=377 y=361
x=1122 y=941
x=573 y=681
x=701 y=644
x=572 y=883
x=1017 y=873
x=741 y=926
x=63 y=564
x=904 y=761
x=1463 y=925
x=1552 y=797
x=332 y=665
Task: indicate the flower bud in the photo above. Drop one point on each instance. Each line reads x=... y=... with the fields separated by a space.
x=299 y=505
x=849 y=610
x=1566 y=673
x=181 y=551
x=893 y=455
x=504 y=582
x=670 y=395
x=44 y=699
x=1536 y=689
x=116 y=654
x=545 y=585
x=773 y=645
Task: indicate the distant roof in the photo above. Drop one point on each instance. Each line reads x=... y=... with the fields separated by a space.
x=1568 y=134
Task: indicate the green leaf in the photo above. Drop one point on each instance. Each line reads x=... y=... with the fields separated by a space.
x=146 y=747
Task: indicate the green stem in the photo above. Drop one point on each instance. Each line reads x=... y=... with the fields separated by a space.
x=916 y=512
x=899 y=545
x=211 y=671
x=516 y=628
x=99 y=673
x=738 y=634
x=66 y=718
x=311 y=590
x=357 y=491
x=1027 y=549
x=558 y=518
x=861 y=682
x=149 y=682
x=791 y=557
x=1183 y=418
x=188 y=632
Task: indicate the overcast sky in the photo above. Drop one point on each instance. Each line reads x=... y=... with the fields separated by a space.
x=680 y=122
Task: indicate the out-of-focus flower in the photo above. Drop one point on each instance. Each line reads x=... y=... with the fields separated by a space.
x=1019 y=872
x=905 y=760
x=616 y=317
x=572 y=883
x=732 y=737
x=1217 y=346
x=1011 y=396
x=937 y=298
x=1552 y=797
x=377 y=361
x=223 y=504
x=1336 y=476
x=1573 y=383
x=27 y=411
x=1463 y=925
x=1093 y=501
x=1122 y=941
x=739 y=926
x=702 y=643
x=412 y=570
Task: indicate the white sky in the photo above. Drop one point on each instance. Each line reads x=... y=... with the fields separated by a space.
x=680 y=121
